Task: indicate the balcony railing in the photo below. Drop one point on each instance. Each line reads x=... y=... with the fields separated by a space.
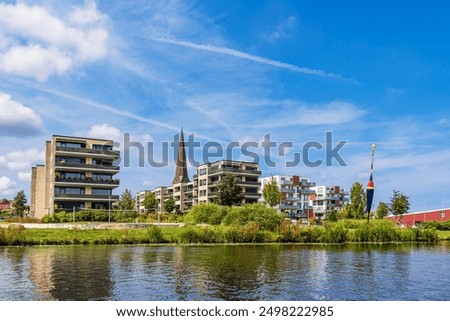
x=306 y=191
x=87 y=181
x=88 y=166
x=90 y=151
x=247 y=183
x=61 y=196
x=252 y=195
x=234 y=170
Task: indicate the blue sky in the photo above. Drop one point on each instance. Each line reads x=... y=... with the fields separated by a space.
x=234 y=71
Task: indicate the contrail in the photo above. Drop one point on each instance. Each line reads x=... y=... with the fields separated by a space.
x=243 y=55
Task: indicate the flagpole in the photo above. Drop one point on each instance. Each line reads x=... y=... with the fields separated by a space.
x=370 y=186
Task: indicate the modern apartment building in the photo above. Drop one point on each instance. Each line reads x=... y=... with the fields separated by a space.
x=78 y=173
x=209 y=175
x=139 y=203
x=203 y=187
x=295 y=193
x=327 y=198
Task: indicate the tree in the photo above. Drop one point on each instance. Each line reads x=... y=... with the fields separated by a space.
x=332 y=215
x=228 y=191
x=399 y=204
x=382 y=210
x=19 y=202
x=271 y=193
x=169 y=205
x=150 y=201
x=357 y=205
x=126 y=202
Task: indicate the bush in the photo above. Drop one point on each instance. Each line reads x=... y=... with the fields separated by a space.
x=442 y=226
x=155 y=235
x=377 y=231
x=12 y=235
x=337 y=233
x=208 y=213
x=191 y=234
x=267 y=218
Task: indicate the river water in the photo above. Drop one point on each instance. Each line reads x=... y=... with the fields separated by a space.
x=226 y=272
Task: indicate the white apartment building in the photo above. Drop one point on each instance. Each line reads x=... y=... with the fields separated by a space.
x=327 y=198
x=209 y=175
x=295 y=191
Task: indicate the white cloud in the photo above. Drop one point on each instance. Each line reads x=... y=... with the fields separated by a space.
x=283 y=30
x=34 y=42
x=24 y=176
x=147 y=183
x=6 y=185
x=105 y=131
x=21 y=160
x=16 y=119
x=243 y=55
x=306 y=114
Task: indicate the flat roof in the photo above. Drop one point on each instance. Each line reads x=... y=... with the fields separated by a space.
x=82 y=138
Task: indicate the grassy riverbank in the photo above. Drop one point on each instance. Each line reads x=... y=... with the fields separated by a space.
x=380 y=231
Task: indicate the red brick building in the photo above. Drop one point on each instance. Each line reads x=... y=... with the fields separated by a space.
x=5 y=204
x=410 y=219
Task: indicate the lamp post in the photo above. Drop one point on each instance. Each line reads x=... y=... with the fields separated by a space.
x=109 y=209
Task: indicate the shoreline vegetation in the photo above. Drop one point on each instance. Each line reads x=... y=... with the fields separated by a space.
x=215 y=224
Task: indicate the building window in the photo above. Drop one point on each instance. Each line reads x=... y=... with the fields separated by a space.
x=101 y=191
x=102 y=147
x=69 y=190
x=71 y=160
x=96 y=176
x=70 y=144
x=102 y=162
x=71 y=175
x=69 y=205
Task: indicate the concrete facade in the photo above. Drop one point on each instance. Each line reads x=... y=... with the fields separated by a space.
x=78 y=172
x=295 y=192
x=209 y=175
x=327 y=198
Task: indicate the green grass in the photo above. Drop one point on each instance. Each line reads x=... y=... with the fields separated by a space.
x=249 y=233
x=444 y=235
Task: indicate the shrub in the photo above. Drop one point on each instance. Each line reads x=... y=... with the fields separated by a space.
x=337 y=233
x=208 y=213
x=267 y=218
x=251 y=233
x=442 y=226
x=155 y=235
x=191 y=234
x=11 y=235
x=377 y=231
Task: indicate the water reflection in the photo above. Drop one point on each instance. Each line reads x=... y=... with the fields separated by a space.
x=240 y=272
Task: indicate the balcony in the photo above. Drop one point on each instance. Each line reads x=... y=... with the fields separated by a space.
x=86 y=182
x=85 y=197
x=247 y=183
x=307 y=184
x=286 y=182
x=293 y=199
x=87 y=167
x=288 y=207
x=306 y=191
x=102 y=153
x=252 y=195
x=234 y=170
x=287 y=190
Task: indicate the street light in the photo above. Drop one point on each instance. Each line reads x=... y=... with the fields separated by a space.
x=109 y=209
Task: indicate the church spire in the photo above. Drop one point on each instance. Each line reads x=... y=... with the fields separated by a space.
x=181 y=175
